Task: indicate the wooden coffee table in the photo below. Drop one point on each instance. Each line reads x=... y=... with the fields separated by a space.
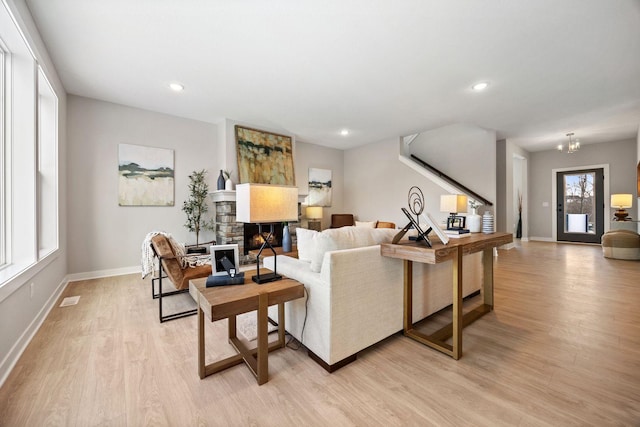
x=226 y=302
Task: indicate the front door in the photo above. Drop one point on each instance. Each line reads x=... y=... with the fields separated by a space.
x=580 y=205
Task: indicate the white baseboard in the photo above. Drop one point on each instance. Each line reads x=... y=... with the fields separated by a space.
x=103 y=273
x=10 y=360
x=541 y=239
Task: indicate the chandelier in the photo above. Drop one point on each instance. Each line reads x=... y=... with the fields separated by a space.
x=574 y=144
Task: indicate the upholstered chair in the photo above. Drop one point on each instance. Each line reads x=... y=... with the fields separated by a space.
x=342 y=220
x=170 y=266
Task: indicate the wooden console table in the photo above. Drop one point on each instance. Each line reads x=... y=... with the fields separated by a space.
x=411 y=252
x=226 y=302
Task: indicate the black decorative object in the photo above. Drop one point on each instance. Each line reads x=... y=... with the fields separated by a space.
x=221 y=181
x=416 y=205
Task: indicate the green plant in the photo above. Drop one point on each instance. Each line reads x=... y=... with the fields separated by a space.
x=196 y=205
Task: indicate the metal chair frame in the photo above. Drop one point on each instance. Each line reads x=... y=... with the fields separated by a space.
x=159 y=295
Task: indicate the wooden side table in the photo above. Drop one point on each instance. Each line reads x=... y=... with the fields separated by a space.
x=411 y=252
x=279 y=251
x=226 y=302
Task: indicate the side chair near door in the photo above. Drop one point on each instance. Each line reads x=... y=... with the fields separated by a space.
x=171 y=266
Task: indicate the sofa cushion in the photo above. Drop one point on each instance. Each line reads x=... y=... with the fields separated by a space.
x=305 y=244
x=366 y=224
x=346 y=238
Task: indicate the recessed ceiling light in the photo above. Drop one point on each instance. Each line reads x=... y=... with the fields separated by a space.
x=344 y=132
x=480 y=86
x=177 y=87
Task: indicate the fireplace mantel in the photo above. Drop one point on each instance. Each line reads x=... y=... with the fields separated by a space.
x=230 y=196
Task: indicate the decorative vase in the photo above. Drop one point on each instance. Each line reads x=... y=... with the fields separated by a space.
x=487 y=223
x=286 y=238
x=474 y=221
x=228 y=184
x=519 y=228
x=221 y=181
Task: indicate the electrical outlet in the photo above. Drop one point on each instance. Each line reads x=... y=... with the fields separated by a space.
x=31 y=290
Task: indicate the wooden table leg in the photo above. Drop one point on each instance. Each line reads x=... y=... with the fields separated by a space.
x=487 y=267
x=281 y=324
x=457 y=305
x=201 y=369
x=408 y=295
x=263 y=350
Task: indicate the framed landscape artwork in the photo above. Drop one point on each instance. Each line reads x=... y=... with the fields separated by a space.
x=146 y=176
x=319 y=187
x=264 y=157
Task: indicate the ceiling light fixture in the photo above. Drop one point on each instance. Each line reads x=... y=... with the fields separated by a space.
x=344 y=132
x=176 y=87
x=574 y=144
x=480 y=86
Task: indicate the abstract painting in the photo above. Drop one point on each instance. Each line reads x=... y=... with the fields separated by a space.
x=264 y=157
x=319 y=187
x=145 y=176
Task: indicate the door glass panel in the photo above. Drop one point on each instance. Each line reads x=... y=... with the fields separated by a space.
x=579 y=203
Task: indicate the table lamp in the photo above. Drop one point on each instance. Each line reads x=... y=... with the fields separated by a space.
x=266 y=204
x=454 y=204
x=621 y=201
x=314 y=215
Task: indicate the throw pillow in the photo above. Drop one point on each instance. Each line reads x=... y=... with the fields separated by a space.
x=367 y=224
x=305 y=244
x=323 y=242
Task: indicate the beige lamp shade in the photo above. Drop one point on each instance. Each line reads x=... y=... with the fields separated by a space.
x=621 y=201
x=453 y=203
x=314 y=212
x=264 y=203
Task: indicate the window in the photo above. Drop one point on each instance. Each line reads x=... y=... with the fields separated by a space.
x=47 y=182
x=28 y=156
x=3 y=228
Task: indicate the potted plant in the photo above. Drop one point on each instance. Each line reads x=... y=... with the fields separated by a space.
x=196 y=207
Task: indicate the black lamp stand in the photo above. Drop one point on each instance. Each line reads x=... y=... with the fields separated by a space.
x=269 y=277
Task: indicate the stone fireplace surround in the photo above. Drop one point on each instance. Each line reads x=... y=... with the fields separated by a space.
x=228 y=231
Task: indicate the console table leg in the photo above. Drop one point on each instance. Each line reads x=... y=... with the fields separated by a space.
x=487 y=267
x=263 y=350
x=408 y=295
x=457 y=305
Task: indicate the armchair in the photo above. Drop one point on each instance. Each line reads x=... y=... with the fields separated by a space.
x=170 y=266
x=342 y=220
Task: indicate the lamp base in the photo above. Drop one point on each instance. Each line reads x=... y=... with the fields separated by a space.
x=621 y=215
x=266 y=278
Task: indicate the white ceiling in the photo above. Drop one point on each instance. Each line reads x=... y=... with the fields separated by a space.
x=380 y=68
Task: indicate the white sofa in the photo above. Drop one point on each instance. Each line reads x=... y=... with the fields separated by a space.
x=355 y=295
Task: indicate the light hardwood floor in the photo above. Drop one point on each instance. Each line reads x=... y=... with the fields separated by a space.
x=562 y=348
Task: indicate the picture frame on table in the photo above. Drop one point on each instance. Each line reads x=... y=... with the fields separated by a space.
x=218 y=252
x=428 y=219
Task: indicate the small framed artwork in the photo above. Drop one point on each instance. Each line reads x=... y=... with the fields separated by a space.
x=218 y=252
x=264 y=157
x=428 y=219
x=320 y=193
x=146 y=176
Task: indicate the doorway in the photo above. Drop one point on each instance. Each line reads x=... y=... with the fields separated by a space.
x=580 y=205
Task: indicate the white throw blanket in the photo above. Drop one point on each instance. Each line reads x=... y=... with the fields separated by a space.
x=146 y=260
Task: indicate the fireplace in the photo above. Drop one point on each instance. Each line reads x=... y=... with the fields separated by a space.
x=228 y=231
x=253 y=240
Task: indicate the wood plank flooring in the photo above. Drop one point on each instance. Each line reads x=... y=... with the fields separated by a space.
x=562 y=348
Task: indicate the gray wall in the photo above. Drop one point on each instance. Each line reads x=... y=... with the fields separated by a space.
x=114 y=233
x=377 y=183
x=105 y=236
x=316 y=156
x=622 y=168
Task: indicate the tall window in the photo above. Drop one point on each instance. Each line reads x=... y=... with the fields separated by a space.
x=28 y=155
x=3 y=165
x=47 y=182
